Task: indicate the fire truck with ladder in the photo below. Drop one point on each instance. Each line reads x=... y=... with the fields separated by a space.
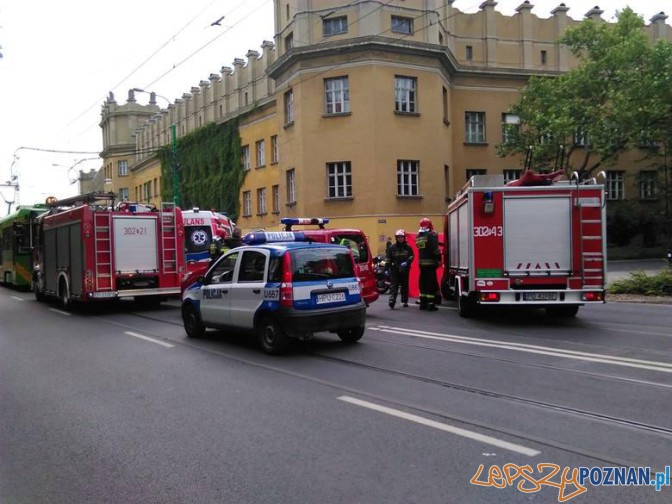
x=537 y=241
x=90 y=250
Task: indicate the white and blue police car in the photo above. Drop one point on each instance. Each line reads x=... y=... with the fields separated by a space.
x=278 y=287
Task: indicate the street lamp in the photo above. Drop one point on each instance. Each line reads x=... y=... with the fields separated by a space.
x=173 y=130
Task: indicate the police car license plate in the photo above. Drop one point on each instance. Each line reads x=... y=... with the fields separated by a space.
x=330 y=297
x=540 y=296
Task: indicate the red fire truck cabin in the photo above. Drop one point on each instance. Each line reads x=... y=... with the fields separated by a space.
x=91 y=250
x=542 y=245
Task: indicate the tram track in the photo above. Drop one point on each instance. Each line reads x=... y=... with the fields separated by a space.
x=284 y=366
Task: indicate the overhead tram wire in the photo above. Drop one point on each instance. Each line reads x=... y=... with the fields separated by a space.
x=338 y=65
x=174 y=66
x=170 y=39
x=228 y=29
x=333 y=67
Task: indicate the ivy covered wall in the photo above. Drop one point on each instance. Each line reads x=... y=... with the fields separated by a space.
x=210 y=169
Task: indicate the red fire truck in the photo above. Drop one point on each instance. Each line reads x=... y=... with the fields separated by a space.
x=534 y=245
x=89 y=250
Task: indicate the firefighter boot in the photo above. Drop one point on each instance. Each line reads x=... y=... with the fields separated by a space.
x=423 y=302
x=431 y=307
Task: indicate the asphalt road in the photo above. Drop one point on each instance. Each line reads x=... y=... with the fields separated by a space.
x=117 y=405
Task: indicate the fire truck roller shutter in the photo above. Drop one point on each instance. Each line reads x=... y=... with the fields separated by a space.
x=135 y=244
x=537 y=234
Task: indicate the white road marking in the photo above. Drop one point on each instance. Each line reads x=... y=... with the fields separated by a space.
x=147 y=338
x=61 y=312
x=482 y=438
x=17 y=298
x=536 y=349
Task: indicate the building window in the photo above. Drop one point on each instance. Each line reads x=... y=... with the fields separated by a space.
x=339 y=180
x=261 y=153
x=337 y=95
x=511 y=175
x=122 y=168
x=580 y=138
x=123 y=194
x=408 y=178
x=289 y=107
x=615 y=185
x=275 y=152
x=290 y=180
x=469 y=53
x=246 y=157
x=156 y=188
x=475 y=171
x=646 y=141
x=402 y=25
x=648 y=182
x=289 y=41
x=247 y=203
x=445 y=106
x=261 y=201
x=335 y=26
x=474 y=127
x=287 y=11
x=147 y=191
x=405 y=98
x=276 y=198
x=510 y=127
x=544 y=57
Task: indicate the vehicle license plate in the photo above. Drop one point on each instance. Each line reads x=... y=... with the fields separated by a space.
x=540 y=296
x=330 y=297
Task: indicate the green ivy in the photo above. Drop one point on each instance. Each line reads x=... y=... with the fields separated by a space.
x=209 y=168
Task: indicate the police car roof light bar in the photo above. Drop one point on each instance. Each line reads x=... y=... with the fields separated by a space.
x=261 y=237
x=291 y=221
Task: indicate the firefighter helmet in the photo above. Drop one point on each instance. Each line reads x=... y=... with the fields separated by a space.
x=400 y=232
x=426 y=223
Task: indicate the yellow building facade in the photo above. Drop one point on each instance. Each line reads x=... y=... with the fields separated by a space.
x=372 y=114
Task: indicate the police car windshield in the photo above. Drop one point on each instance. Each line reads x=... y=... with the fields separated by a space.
x=356 y=243
x=320 y=263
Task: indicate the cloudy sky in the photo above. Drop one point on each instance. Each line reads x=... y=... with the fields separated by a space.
x=61 y=59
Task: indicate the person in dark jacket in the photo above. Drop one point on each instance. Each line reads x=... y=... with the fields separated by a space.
x=427 y=242
x=399 y=258
x=236 y=239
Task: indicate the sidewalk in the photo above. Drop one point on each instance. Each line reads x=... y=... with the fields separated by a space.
x=619 y=270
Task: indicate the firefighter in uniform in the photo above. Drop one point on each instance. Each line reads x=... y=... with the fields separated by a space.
x=399 y=257
x=236 y=240
x=217 y=247
x=427 y=242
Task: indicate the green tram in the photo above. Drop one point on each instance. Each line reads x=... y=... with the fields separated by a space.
x=18 y=234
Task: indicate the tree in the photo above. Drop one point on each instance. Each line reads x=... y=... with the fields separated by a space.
x=618 y=97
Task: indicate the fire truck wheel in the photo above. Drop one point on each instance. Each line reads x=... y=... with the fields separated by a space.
x=64 y=295
x=193 y=325
x=272 y=338
x=465 y=306
x=351 y=335
x=568 y=311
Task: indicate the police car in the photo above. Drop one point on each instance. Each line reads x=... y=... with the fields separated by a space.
x=278 y=287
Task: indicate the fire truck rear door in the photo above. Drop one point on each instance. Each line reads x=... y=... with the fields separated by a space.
x=135 y=244
x=537 y=234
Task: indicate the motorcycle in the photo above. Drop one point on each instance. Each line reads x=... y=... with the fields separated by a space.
x=382 y=272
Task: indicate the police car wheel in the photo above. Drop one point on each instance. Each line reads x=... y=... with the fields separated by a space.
x=272 y=338
x=193 y=325
x=351 y=335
